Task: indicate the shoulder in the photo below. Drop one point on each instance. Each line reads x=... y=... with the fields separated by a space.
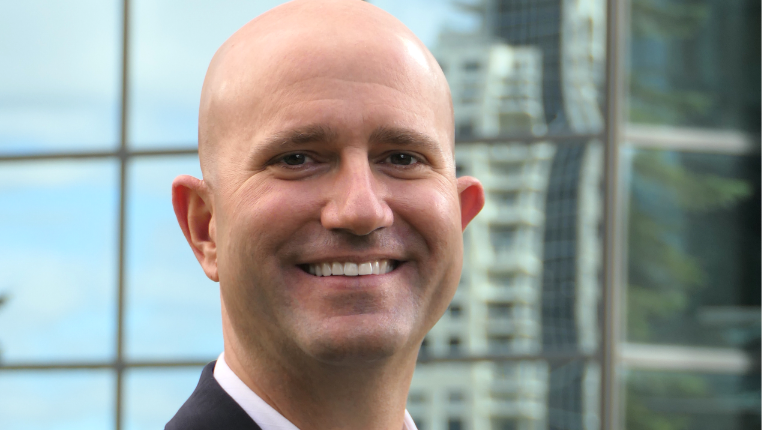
x=210 y=407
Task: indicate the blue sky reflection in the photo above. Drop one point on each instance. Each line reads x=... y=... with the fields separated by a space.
x=58 y=256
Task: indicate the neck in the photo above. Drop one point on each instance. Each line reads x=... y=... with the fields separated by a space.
x=314 y=395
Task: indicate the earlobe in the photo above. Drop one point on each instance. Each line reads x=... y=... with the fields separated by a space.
x=192 y=203
x=471 y=198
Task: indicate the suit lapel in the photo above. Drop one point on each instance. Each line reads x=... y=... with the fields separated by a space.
x=210 y=408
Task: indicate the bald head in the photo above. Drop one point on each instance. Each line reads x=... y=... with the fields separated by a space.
x=323 y=48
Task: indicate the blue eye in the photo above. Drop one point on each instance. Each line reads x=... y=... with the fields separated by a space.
x=294 y=159
x=402 y=159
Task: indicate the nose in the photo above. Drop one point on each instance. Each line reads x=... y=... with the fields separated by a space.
x=356 y=203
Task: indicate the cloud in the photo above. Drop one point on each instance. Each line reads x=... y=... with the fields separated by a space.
x=33 y=400
x=61 y=306
x=59 y=86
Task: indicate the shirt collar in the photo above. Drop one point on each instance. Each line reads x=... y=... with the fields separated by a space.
x=261 y=412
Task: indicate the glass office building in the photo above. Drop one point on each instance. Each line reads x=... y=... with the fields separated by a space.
x=613 y=280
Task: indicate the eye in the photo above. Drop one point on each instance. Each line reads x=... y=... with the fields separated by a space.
x=294 y=159
x=402 y=159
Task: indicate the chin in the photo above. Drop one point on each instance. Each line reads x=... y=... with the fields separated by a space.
x=358 y=343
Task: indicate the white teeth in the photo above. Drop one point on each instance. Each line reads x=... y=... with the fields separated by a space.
x=351 y=269
x=326 y=269
x=337 y=269
x=377 y=267
x=364 y=269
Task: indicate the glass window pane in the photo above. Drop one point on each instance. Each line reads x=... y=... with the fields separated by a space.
x=530 y=279
x=153 y=396
x=516 y=68
x=513 y=395
x=694 y=249
x=693 y=269
x=689 y=400
x=58 y=257
x=57 y=400
x=171 y=45
x=173 y=309
x=530 y=287
x=696 y=63
x=59 y=86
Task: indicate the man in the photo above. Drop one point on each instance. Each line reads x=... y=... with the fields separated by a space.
x=330 y=214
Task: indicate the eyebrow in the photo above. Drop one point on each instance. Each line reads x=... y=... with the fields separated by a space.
x=404 y=137
x=318 y=133
x=301 y=136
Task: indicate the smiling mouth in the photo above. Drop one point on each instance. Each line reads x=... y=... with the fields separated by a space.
x=376 y=267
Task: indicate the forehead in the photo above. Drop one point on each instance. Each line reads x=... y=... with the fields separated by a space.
x=294 y=64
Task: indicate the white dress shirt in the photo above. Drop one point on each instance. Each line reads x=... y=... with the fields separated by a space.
x=262 y=413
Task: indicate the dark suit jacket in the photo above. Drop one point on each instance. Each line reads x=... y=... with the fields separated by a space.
x=210 y=408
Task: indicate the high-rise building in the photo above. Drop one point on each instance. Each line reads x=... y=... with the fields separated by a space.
x=530 y=281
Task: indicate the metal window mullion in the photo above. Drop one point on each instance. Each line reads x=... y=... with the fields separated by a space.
x=84 y=155
x=119 y=366
x=691 y=139
x=191 y=148
x=610 y=402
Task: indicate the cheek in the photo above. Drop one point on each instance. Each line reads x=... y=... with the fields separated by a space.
x=433 y=211
x=259 y=223
x=262 y=220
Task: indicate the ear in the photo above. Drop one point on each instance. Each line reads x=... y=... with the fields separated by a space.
x=192 y=202
x=471 y=198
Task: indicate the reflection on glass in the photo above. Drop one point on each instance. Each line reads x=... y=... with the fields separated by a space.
x=152 y=396
x=173 y=309
x=57 y=400
x=692 y=401
x=693 y=293
x=528 y=394
x=530 y=280
x=59 y=84
x=172 y=43
x=529 y=287
x=696 y=63
x=526 y=68
x=694 y=250
x=530 y=284
x=58 y=258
